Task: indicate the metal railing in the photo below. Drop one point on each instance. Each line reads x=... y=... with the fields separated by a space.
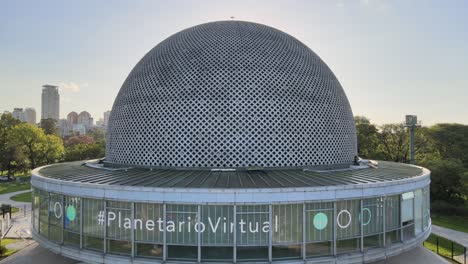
x=446 y=248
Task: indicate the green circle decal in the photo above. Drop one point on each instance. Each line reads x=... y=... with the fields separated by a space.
x=320 y=221
x=71 y=212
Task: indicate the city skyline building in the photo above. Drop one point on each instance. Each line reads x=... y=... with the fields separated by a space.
x=18 y=113
x=72 y=118
x=85 y=119
x=50 y=102
x=27 y=114
x=106 y=118
x=30 y=115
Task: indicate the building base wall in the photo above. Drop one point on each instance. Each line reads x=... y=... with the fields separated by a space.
x=370 y=256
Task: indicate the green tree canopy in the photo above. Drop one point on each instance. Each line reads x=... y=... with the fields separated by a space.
x=50 y=126
x=451 y=141
x=31 y=138
x=53 y=149
x=367 y=137
x=446 y=179
x=10 y=157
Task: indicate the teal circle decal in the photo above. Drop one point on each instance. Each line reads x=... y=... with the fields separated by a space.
x=320 y=221
x=369 y=216
x=71 y=212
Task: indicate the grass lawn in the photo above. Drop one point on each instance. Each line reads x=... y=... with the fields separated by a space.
x=7 y=187
x=451 y=221
x=23 y=197
x=5 y=242
x=445 y=246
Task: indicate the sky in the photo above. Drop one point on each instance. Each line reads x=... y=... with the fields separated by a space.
x=392 y=57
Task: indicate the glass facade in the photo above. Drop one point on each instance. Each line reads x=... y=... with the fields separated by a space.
x=227 y=233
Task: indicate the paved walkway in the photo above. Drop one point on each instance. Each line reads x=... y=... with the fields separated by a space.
x=5 y=199
x=418 y=255
x=20 y=226
x=456 y=236
x=35 y=254
x=20 y=223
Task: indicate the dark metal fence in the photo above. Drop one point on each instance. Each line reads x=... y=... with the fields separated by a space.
x=446 y=248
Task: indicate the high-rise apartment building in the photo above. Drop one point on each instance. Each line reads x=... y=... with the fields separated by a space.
x=30 y=115
x=18 y=114
x=85 y=119
x=72 y=118
x=50 y=102
x=106 y=118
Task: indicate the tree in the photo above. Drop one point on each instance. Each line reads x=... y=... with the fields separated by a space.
x=85 y=151
x=98 y=134
x=367 y=137
x=394 y=143
x=78 y=139
x=31 y=138
x=446 y=180
x=53 y=149
x=8 y=156
x=451 y=141
x=50 y=126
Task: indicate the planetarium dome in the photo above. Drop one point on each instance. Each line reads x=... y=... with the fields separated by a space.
x=230 y=142
x=231 y=94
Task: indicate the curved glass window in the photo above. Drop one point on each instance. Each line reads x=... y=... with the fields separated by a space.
x=287 y=231
x=252 y=232
x=72 y=221
x=94 y=219
x=119 y=226
x=55 y=217
x=371 y=219
x=348 y=230
x=149 y=230
x=224 y=233
x=319 y=222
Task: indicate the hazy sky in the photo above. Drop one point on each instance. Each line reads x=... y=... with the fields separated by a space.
x=391 y=57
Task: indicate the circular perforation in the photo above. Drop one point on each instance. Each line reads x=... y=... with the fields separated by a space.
x=231 y=94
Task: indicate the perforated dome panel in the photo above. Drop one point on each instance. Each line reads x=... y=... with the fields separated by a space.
x=231 y=94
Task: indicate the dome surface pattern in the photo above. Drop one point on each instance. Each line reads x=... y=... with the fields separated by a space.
x=231 y=94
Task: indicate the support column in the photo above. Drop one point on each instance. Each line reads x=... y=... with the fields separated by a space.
x=105 y=226
x=81 y=223
x=234 y=235
x=199 y=233
x=362 y=225
x=164 y=234
x=384 y=228
x=334 y=229
x=48 y=215
x=63 y=218
x=270 y=234
x=132 y=234
x=304 y=246
x=412 y=144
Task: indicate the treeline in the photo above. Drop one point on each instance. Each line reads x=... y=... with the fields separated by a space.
x=442 y=148
x=24 y=146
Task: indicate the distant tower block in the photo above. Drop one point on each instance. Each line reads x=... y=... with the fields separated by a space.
x=50 y=102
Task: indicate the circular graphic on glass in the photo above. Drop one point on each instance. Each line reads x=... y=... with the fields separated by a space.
x=369 y=216
x=71 y=212
x=320 y=221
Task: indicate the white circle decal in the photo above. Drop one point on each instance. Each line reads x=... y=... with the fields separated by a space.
x=338 y=219
x=58 y=210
